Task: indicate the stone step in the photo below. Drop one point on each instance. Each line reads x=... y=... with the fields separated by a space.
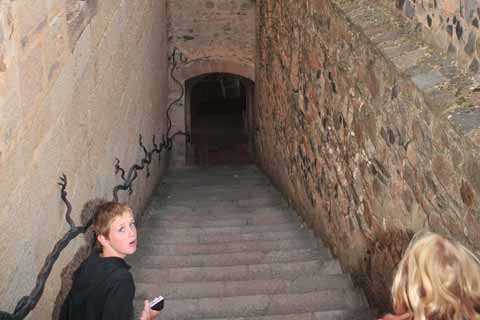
x=225 y=247
x=215 y=197
x=351 y=314
x=241 y=203
x=216 y=211
x=216 y=170
x=221 y=243
x=164 y=187
x=218 y=182
x=193 y=290
x=179 y=221
x=219 y=230
x=229 y=259
x=227 y=175
x=221 y=180
x=261 y=305
x=290 y=270
x=151 y=236
x=234 y=193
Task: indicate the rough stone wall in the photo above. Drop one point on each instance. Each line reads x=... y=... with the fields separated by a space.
x=79 y=81
x=452 y=25
x=354 y=144
x=212 y=36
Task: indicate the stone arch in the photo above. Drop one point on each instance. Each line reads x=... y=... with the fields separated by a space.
x=202 y=66
x=189 y=77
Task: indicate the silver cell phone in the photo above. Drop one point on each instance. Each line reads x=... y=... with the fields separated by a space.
x=157 y=303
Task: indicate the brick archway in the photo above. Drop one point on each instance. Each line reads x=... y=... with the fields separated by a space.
x=190 y=74
x=199 y=67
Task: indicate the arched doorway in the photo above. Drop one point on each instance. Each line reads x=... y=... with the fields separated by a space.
x=219 y=117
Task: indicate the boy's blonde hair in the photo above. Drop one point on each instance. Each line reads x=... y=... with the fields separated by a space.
x=104 y=215
x=437 y=279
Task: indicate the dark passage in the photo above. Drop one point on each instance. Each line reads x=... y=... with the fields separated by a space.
x=219 y=120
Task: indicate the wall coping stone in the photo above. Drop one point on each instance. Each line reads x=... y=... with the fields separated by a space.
x=450 y=93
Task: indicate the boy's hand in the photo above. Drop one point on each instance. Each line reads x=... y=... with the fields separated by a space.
x=147 y=313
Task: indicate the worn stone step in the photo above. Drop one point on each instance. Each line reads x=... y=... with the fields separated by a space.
x=216 y=211
x=154 y=237
x=223 y=244
x=220 y=197
x=351 y=314
x=192 y=290
x=305 y=242
x=229 y=259
x=218 y=230
x=217 y=189
x=196 y=180
x=236 y=185
x=262 y=305
x=163 y=221
x=241 y=203
x=218 y=183
x=290 y=270
x=217 y=170
x=215 y=214
x=233 y=193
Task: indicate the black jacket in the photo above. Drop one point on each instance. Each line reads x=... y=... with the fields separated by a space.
x=102 y=289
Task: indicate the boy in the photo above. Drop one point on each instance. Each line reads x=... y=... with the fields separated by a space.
x=103 y=288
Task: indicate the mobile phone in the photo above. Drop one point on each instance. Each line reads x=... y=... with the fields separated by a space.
x=157 y=303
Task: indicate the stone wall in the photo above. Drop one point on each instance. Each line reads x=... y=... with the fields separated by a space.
x=211 y=36
x=452 y=25
x=355 y=145
x=79 y=81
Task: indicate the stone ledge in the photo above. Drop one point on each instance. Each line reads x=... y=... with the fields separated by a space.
x=450 y=93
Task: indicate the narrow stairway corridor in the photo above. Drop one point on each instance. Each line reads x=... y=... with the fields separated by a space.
x=221 y=243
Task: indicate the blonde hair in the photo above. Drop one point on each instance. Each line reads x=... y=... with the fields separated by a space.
x=437 y=279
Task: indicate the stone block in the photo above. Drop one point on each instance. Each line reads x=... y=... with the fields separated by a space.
x=83 y=54
x=8 y=74
x=53 y=5
x=472 y=172
x=55 y=45
x=450 y=7
x=472 y=227
x=29 y=18
x=9 y=121
x=78 y=15
x=427 y=81
x=31 y=78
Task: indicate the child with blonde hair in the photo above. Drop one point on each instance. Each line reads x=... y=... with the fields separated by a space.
x=437 y=279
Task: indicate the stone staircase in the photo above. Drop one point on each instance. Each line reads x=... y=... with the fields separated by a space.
x=220 y=243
